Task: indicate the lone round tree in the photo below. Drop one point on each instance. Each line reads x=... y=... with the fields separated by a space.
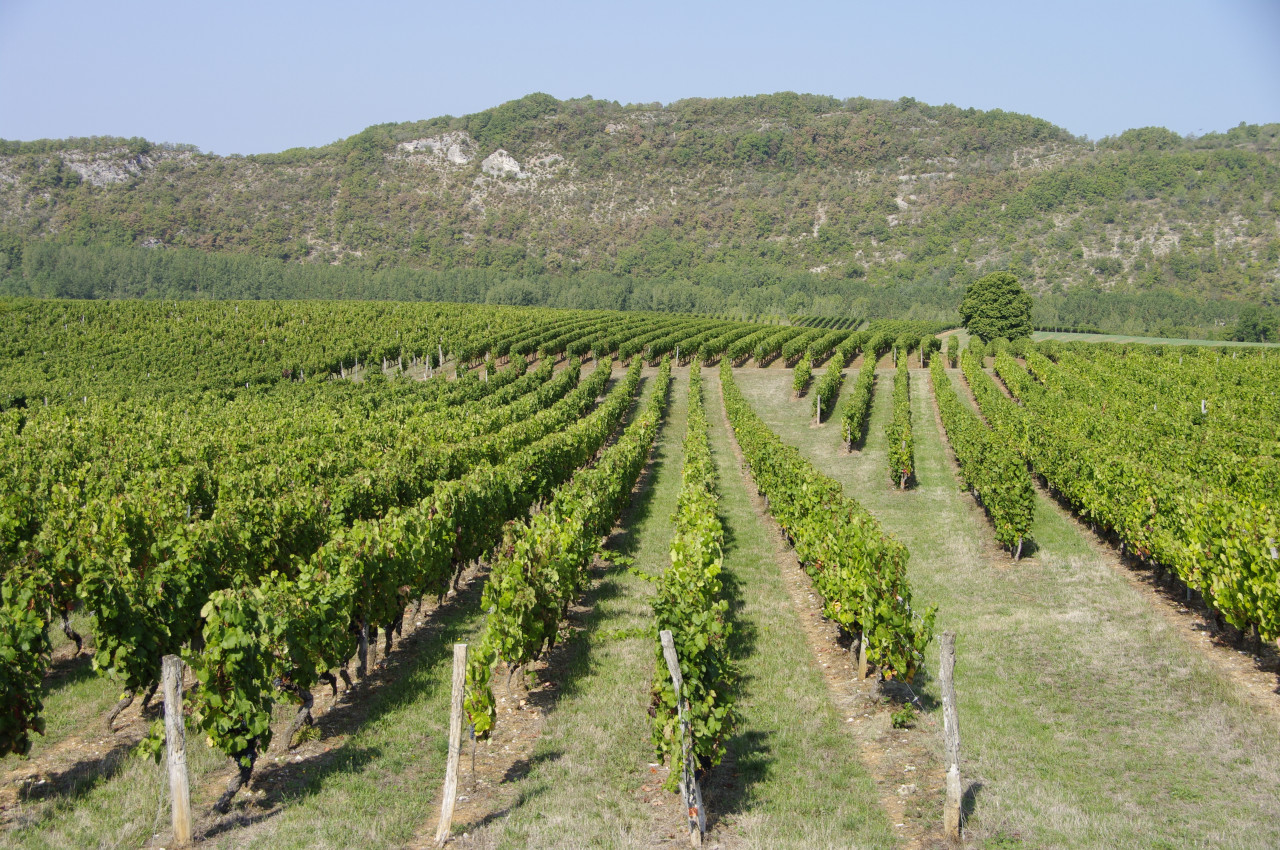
x=995 y=306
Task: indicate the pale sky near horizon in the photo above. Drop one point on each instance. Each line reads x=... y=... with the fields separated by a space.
x=254 y=77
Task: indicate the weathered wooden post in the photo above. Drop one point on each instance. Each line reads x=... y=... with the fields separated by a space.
x=690 y=793
x=175 y=740
x=951 y=737
x=455 y=743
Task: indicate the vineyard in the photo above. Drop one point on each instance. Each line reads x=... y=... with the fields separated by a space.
x=310 y=502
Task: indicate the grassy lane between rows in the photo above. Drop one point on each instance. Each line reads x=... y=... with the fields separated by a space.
x=588 y=780
x=364 y=784
x=793 y=776
x=1086 y=720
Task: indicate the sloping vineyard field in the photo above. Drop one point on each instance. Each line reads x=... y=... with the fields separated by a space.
x=280 y=493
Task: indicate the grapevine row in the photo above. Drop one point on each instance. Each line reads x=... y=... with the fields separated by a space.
x=856 y=410
x=1218 y=536
x=146 y=570
x=900 y=441
x=827 y=389
x=281 y=636
x=541 y=564
x=994 y=473
x=860 y=572
x=689 y=604
x=802 y=374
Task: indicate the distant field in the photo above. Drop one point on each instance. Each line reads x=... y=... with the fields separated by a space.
x=1150 y=340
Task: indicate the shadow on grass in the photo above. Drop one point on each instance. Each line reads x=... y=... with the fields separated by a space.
x=726 y=789
x=742 y=640
x=68 y=670
x=345 y=759
x=969 y=801
x=78 y=778
x=748 y=754
x=515 y=773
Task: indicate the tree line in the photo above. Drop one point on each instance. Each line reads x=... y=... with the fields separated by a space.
x=45 y=269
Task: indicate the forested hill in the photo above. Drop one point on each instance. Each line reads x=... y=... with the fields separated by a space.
x=769 y=190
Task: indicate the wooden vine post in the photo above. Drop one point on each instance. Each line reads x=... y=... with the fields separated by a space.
x=951 y=737
x=690 y=793
x=175 y=741
x=455 y=743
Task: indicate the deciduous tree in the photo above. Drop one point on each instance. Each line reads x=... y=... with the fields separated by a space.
x=996 y=306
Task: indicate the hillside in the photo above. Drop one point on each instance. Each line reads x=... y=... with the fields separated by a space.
x=771 y=189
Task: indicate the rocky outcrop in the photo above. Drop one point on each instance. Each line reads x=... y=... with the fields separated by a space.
x=502 y=164
x=456 y=147
x=106 y=169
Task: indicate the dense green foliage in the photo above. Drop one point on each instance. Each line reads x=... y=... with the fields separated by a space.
x=298 y=623
x=192 y=471
x=259 y=486
x=690 y=604
x=928 y=345
x=1174 y=450
x=996 y=307
x=995 y=474
x=828 y=389
x=801 y=376
x=1257 y=325
x=905 y=334
x=901 y=443
x=858 y=407
x=24 y=649
x=859 y=572
x=1007 y=419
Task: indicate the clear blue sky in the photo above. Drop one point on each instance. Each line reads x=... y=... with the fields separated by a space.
x=251 y=77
